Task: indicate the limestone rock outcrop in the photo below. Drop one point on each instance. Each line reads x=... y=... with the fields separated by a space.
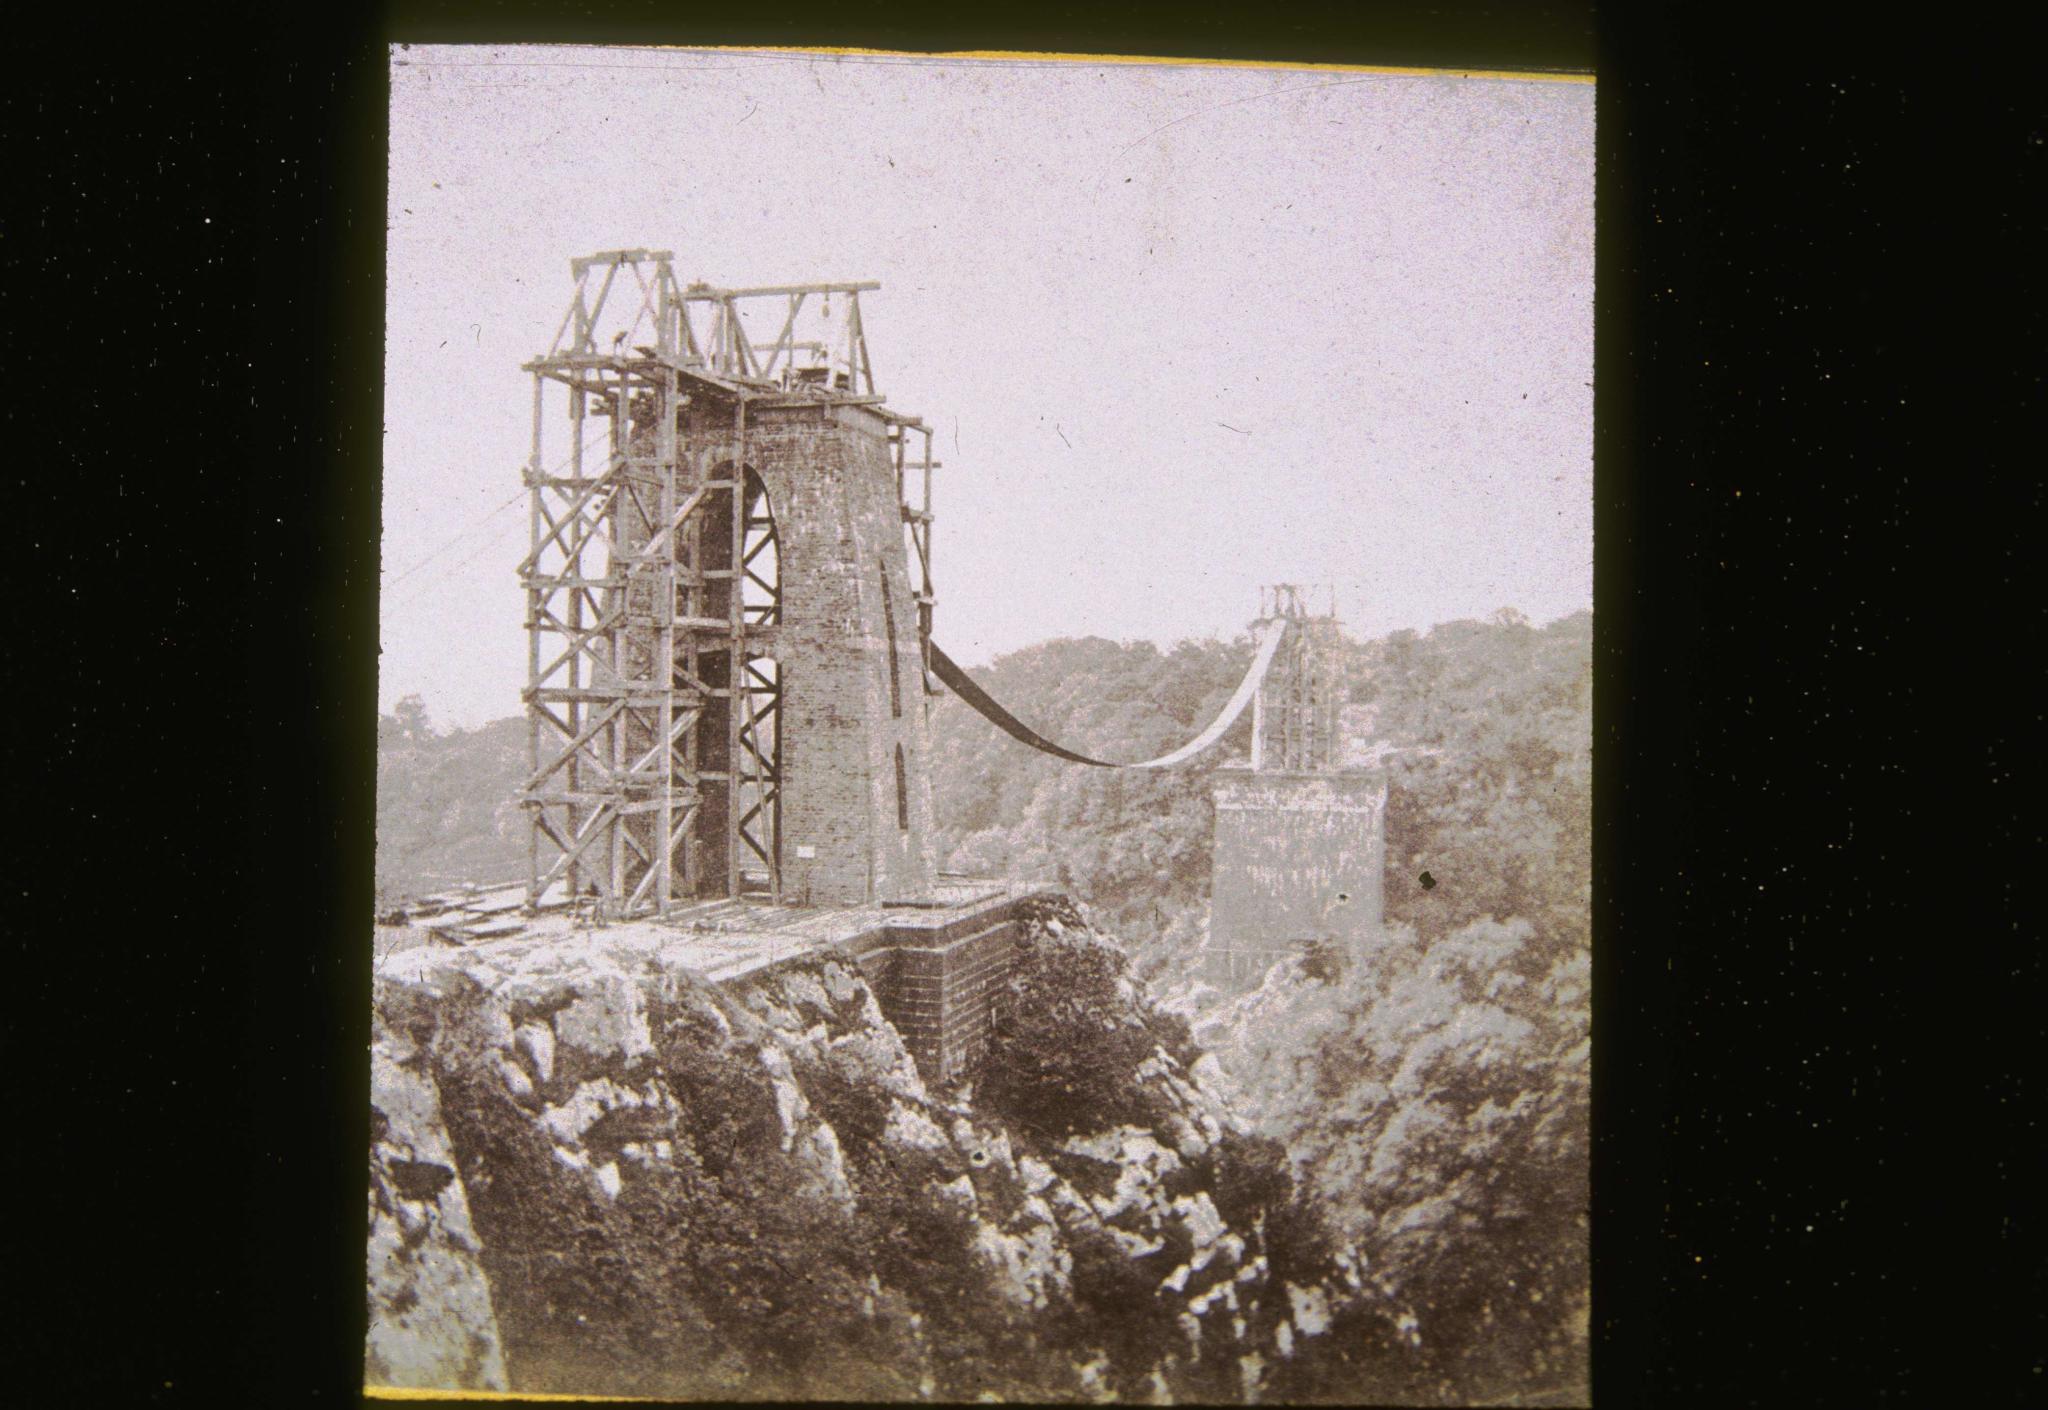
x=596 y=1171
x=431 y=1323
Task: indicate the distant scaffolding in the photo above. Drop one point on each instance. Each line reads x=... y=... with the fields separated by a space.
x=1294 y=715
x=653 y=584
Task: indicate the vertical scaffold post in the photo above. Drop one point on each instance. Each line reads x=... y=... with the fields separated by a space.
x=533 y=640
x=736 y=672
x=662 y=549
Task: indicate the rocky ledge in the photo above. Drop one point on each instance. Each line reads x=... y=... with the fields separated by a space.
x=596 y=1171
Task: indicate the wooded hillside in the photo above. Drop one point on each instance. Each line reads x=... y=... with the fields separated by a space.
x=1485 y=728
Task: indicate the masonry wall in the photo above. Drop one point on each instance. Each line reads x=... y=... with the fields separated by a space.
x=845 y=714
x=940 y=991
x=942 y=999
x=1298 y=857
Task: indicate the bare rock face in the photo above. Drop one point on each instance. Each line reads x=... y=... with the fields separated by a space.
x=431 y=1323
x=628 y=1180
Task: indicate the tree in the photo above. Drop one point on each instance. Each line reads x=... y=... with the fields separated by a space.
x=407 y=723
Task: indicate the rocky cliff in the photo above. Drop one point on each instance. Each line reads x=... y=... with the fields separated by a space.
x=594 y=1171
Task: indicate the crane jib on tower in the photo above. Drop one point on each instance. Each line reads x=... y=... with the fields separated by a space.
x=1267 y=639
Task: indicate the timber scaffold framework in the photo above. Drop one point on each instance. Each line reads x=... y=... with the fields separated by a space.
x=1295 y=716
x=652 y=584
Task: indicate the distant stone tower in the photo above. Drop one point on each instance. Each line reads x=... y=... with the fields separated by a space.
x=726 y=685
x=1300 y=840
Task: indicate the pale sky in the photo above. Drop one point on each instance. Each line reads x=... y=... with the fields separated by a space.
x=1182 y=330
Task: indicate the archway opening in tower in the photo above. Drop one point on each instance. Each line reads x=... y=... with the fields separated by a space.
x=738 y=750
x=760 y=558
x=757 y=785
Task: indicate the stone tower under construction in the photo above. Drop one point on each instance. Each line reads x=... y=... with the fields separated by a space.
x=1300 y=846
x=728 y=604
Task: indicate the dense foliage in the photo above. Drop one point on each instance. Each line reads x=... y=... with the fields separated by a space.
x=1433 y=1096
x=1488 y=730
x=1070 y=1037
x=1073 y=1041
x=445 y=809
x=1484 y=729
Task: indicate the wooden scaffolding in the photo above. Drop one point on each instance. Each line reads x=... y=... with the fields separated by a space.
x=1295 y=726
x=652 y=585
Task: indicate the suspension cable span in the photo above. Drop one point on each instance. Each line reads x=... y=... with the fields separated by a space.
x=1267 y=641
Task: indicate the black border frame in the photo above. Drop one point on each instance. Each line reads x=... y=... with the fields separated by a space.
x=195 y=280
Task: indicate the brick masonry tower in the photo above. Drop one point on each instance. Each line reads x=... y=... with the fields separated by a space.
x=1300 y=844
x=855 y=795
x=728 y=603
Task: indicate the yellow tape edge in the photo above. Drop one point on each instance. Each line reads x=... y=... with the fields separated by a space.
x=1519 y=75
x=413 y=1393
